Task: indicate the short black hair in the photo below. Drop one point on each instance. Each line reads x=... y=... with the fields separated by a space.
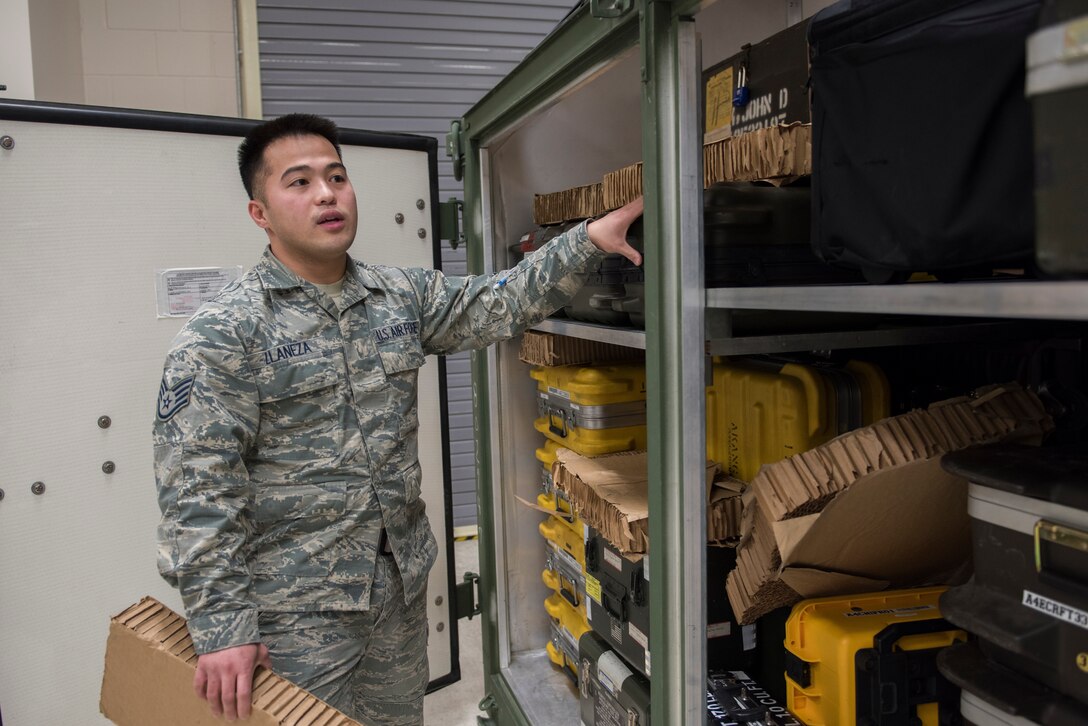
x=251 y=150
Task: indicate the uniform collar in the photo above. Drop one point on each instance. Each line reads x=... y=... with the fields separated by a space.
x=275 y=276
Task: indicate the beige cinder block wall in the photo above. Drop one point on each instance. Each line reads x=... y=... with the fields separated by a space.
x=165 y=55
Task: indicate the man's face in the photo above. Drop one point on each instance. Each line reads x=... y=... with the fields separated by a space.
x=306 y=204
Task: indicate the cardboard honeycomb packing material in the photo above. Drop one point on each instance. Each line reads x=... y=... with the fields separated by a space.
x=568 y=204
x=549 y=349
x=780 y=153
x=610 y=494
x=724 y=509
x=752 y=587
x=872 y=508
x=622 y=186
x=148 y=679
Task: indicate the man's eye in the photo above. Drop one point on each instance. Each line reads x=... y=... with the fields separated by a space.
x=298 y=183
x=339 y=178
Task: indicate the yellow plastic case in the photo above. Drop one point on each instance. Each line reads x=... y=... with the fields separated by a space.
x=568 y=536
x=565 y=576
x=546 y=455
x=760 y=412
x=568 y=625
x=848 y=657
x=592 y=410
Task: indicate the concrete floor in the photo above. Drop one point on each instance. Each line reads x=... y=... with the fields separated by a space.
x=457 y=705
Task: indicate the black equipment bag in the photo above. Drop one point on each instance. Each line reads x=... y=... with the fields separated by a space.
x=922 y=142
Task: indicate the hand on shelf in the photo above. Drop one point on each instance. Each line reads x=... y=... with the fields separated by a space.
x=609 y=232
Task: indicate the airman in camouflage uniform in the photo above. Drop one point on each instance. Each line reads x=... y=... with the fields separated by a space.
x=285 y=438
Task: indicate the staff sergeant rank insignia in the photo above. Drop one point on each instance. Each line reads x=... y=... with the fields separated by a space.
x=174 y=398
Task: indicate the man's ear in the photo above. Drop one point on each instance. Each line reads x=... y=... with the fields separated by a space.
x=256 y=213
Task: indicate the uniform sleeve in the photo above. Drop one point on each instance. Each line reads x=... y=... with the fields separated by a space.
x=460 y=313
x=206 y=420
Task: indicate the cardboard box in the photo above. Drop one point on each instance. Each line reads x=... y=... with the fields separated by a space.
x=148 y=679
x=872 y=509
x=563 y=206
x=549 y=349
x=609 y=493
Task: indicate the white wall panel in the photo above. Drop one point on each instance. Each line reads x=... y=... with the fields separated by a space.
x=88 y=215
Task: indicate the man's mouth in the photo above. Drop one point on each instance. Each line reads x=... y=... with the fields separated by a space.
x=330 y=219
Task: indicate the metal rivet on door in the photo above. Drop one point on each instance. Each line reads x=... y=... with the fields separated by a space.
x=1 y=495
x=420 y=204
x=399 y=218
x=38 y=488
x=438 y=600
x=422 y=233
x=440 y=627
x=108 y=467
x=7 y=143
x=104 y=422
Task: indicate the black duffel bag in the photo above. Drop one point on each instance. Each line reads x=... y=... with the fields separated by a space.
x=922 y=143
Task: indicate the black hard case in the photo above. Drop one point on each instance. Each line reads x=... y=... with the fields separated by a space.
x=1006 y=691
x=922 y=138
x=1029 y=612
x=622 y=617
x=758 y=234
x=733 y=698
x=777 y=82
x=610 y=693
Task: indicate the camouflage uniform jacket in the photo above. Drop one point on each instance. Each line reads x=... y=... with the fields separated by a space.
x=285 y=435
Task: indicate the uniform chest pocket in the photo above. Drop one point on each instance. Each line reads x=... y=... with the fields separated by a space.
x=301 y=408
x=298 y=528
x=294 y=378
x=400 y=356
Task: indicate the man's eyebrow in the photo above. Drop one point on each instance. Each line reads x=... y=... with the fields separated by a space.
x=306 y=167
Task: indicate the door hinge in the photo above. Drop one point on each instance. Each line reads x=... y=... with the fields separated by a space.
x=490 y=707
x=449 y=221
x=454 y=150
x=468 y=601
x=610 y=8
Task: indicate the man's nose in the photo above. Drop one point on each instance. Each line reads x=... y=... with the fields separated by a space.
x=326 y=193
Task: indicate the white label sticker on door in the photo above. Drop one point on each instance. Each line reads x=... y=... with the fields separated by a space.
x=1055 y=609
x=181 y=292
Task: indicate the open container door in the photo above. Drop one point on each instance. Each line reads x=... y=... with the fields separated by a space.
x=619 y=81
x=95 y=203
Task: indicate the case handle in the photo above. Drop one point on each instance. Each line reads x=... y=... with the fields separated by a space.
x=885 y=640
x=1063 y=536
x=560 y=432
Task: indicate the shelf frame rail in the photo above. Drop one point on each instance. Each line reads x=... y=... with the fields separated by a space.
x=675 y=339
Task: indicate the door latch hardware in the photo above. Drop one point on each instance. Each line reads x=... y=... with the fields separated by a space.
x=449 y=221
x=468 y=600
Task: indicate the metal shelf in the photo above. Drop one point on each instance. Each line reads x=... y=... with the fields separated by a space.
x=629 y=337
x=1019 y=299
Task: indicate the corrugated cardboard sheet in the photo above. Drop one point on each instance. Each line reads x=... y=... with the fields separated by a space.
x=778 y=153
x=549 y=349
x=563 y=206
x=872 y=508
x=609 y=493
x=148 y=680
x=622 y=186
x=724 y=509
